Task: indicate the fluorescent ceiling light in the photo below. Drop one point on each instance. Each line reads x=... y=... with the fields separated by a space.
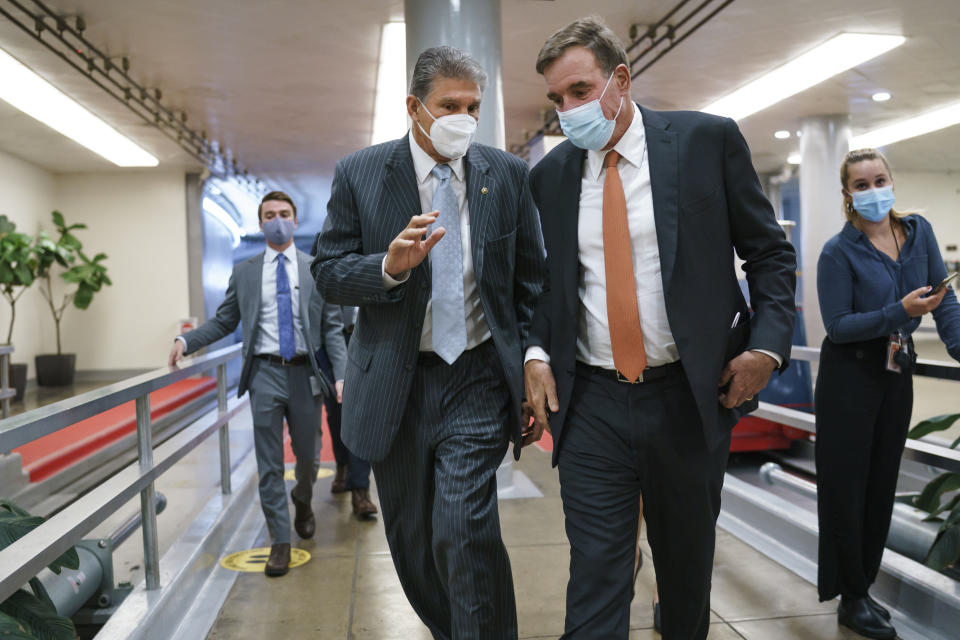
x=910 y=128
x=39 y=99
x=793 y=158
x=220 y=215
x=834 y=56
x=783 y=134
x=389 y=114
x=881 y=96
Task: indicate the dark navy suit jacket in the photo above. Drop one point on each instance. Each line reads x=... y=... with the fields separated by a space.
x=373 y=197
x=707 y=202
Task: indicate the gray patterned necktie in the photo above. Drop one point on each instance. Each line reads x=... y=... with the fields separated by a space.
x=446 y=260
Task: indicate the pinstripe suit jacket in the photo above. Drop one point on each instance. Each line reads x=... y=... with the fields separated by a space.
x=321 y=322
x=373 y=197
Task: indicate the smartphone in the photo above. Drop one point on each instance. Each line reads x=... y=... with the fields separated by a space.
x=944 y=283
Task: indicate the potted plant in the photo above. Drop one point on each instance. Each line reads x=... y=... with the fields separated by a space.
x=83 y=277
x=17 y=272
x=945 y=551
x=29 y=614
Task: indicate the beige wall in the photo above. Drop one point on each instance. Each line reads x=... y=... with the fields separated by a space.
x=138 y=219
x=937 y=196
x=26 y=197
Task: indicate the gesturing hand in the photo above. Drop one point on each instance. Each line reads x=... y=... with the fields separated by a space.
x=916 y=306
x=412 y=245
x=747 y=374
x=541 y=391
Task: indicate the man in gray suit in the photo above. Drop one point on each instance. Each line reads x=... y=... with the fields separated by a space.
x=434 y=375
x=284 y=322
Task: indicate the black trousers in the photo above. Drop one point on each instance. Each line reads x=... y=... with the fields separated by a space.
x=438 y=497
x=358 y=469
x=622 y=441
x=863 y=415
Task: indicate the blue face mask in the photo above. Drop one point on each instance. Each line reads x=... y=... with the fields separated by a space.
x=874 y=204
x=278 y=230
x=586 y=126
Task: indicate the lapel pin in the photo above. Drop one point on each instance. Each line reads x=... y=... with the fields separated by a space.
x=484 y=190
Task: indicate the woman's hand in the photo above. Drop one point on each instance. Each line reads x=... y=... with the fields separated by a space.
x=916 y=305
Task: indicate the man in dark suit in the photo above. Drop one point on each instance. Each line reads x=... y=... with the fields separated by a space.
x=434 y=375
x=284 y=322
x=644 y=349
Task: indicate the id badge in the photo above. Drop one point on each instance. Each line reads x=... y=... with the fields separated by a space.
x=894 y=345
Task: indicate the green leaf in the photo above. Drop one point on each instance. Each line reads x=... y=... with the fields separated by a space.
x=41 y=592
x=929 y=498
x=13 y=508
x=84 y=296
x=936 y=423
x=945 y=550
x=13 y=629
x=58 y=219
x=14 y=527
x=949 y=506
x=41 y=619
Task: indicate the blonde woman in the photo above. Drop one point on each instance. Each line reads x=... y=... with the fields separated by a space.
x=874 y=283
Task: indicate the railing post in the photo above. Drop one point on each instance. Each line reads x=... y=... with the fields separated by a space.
x=224 y=430
x=5 y=382
x=148 y=505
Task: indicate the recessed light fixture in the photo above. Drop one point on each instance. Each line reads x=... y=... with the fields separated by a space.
x=834 y=56
x=881 y=96
x=783 y=134
x=389 y=116
x=910 y=128
x=39 y=99
x=793 y=158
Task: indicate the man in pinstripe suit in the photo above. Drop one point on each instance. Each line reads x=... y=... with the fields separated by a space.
x=434 y=377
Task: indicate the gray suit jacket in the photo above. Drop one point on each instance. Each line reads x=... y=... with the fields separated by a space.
x=374 y=195
x=320 y=321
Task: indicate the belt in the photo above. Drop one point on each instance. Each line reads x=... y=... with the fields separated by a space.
x=295 y=361
x=650 y=374
x=430 y=358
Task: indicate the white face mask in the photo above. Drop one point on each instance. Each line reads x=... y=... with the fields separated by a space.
x=451 y=135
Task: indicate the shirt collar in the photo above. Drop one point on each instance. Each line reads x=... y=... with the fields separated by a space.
x=423 y=164
x=290 y=252
x=631 y=146
x=853 y=234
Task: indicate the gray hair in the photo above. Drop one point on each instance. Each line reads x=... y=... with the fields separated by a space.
x=445 y=62
x=591 y=33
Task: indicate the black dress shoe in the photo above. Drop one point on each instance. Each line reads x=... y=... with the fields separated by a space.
x=339 y=484
x=858 y=615
x=303 y=521
x=656 y=617
x=879 y=608
x=279 y=562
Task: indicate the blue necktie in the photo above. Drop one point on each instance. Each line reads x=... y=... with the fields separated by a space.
x=288 y=346
x=446 y=259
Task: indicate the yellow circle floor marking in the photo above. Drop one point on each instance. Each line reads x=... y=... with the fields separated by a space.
x=323 y=472
x=254 y=560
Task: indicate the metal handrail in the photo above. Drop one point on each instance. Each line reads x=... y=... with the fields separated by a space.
x=920 y=451
x=24 y=558
x=29 y=426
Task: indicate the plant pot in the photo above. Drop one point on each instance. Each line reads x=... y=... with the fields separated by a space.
x=56 y=370
x=18 y=379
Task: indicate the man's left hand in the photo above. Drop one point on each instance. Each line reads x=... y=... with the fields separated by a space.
x=530 y=430
x=747 y=374
x=339 y=387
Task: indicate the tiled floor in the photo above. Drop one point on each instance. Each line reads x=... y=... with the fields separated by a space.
x=349 y=590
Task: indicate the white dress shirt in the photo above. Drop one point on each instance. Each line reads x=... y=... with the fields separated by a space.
x=423 y=164
x=268 y=338
x=593 y=336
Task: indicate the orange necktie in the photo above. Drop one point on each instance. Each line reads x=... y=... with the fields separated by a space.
x=626 y=337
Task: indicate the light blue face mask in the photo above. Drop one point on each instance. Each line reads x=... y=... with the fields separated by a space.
x=874 y=204
x=278 y=230
x=586 y=126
